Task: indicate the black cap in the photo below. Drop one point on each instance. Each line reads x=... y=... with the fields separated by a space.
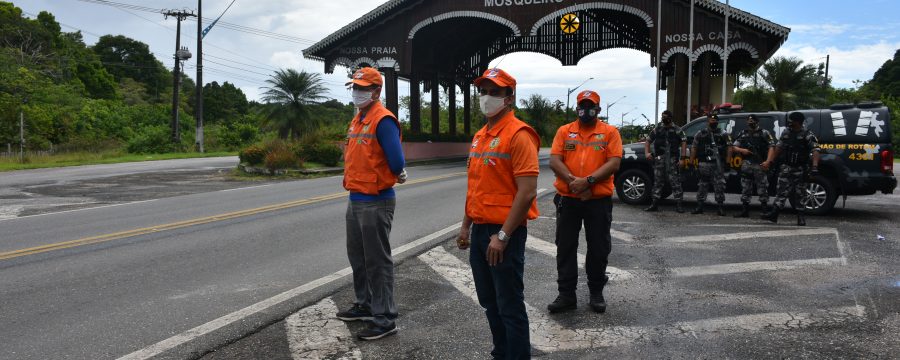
x=667 y=112
x=796 y=116
x=713 y=116
x=751 y=116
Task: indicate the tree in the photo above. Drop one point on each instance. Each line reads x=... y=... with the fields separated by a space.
x=223 y=102
x=125 y=57
x=886 y=80
x=289 y=96
x=783 y=84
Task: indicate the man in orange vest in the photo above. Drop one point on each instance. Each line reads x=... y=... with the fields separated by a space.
x=584 y=156
x=373 y=163
x=503 y=171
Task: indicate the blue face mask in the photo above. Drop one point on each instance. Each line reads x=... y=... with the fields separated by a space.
x=587 y=115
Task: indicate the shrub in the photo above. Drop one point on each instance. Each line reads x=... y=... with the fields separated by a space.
x=153 y=139
x=281 y=159
x=252 y=155
x=327 y=154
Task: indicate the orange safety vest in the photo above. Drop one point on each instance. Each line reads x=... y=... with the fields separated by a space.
x=366 y=168
x=492 y=187
x=584 y=155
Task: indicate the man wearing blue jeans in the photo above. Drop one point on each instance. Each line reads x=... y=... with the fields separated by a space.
x=373 y=163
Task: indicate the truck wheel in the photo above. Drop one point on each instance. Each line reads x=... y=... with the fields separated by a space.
x=634 y=187
x=820 y=196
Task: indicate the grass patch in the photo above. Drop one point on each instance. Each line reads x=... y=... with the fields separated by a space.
x=92 y=158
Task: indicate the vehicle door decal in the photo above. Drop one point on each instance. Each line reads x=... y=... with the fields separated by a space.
x=837 y=122
x=868 y=120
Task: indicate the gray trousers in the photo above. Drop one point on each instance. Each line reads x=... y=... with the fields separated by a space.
x=369 y=252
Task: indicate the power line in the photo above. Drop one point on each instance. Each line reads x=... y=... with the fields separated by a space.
x=236 y=62
x=237 y=68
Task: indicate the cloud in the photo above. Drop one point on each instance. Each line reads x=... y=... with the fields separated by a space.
x=847 y=64
x=820 y=29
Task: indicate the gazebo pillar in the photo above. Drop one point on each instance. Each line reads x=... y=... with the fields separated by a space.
x=415 y=104
x=435 y=105
x=451 y=95
x=467 y=108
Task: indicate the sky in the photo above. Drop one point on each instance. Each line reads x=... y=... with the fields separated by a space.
x=859 y=36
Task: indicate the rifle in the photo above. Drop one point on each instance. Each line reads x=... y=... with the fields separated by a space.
x=715 y=147
x=667 y=159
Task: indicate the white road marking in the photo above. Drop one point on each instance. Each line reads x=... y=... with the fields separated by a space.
x=10 y=212
x=624 y=236
x=189 y=335
x=547 y=248
x=546 y=334
x=750 y=235
x=733 y=268
x=82 y=209
x=541 y=190
x=246 y=188
x=549 y=336
x=314 y=333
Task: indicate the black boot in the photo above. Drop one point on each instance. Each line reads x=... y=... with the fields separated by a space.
x=721 y=209
x=745 y=211
x=654 y=206
x=598 y=304
x=765 y=207
x=563 y=303
x=698 y=209
x=801 y=218
x=771 y=215
x=678 y=207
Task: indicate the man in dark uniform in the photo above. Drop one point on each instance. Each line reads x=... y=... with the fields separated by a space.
x=669 y=152
x=710 y=146
x=755 y=145
x=795 y=147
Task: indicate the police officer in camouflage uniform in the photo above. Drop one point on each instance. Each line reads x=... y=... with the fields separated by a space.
x=710 y=146
x=795 y=147
x=755 y=144
x=669 y=149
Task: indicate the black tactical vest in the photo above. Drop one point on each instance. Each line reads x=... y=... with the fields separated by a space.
x=706 y=152
x=757 y=142
x=661 y=133
x=796 y=148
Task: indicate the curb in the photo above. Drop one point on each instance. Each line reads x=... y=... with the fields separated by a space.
x=336 y=170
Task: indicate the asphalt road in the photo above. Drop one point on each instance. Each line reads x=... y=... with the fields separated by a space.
x=151 y=272
x=139 y=272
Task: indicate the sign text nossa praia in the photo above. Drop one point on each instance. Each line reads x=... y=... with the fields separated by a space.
x=499 y=3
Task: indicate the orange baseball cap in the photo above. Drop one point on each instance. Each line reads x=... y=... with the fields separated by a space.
x=497 y=76
x=366 y=76
x=589 y=95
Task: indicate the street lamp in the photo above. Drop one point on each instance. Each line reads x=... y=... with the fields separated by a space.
x=569 y=95
x=608 y=105
x=626 y=113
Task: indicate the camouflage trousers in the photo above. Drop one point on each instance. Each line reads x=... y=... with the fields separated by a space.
x=709 y=172
x=672 y=176
x=790 y=180
x=754 y=175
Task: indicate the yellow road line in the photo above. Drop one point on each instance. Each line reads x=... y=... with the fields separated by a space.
x=192 y=222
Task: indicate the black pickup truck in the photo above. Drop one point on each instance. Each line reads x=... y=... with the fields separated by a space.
x=857 y=156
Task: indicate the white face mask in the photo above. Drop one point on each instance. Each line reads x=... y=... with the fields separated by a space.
x=491 y=105
x=362 y=98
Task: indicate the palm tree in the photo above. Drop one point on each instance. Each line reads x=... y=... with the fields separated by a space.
x=289 y=95
x=782 y=84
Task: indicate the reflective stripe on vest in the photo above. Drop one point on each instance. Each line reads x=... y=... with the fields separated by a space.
x=366 y=168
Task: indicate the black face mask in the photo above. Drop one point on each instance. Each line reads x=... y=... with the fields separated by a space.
x=713 y=125
x=587 y=115
x=753 y=125
x=667 y=119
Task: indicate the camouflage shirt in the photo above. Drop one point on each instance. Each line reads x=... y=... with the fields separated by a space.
x=673 y=134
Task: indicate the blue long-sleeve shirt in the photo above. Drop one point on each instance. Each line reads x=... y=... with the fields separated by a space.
x=388 y=135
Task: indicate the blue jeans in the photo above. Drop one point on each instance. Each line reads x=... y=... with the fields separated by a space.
x=501 y=291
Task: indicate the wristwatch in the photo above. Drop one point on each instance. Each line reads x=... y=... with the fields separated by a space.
x=502 y=236
x=591 y=180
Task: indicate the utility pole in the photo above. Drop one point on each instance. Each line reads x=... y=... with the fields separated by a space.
x=22 y=136
x=827 y=63
x=180 y=55
x=198 y=107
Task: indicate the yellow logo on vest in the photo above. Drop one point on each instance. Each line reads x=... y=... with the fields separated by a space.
x=495 y=143
x=366 y=128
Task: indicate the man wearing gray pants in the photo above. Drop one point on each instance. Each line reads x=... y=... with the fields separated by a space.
x=373 y=163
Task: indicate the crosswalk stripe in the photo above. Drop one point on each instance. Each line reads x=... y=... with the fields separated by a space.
x=750 y=235
x=733 y=268
x=314 y=333
x=547 y=248
x=546 y=334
